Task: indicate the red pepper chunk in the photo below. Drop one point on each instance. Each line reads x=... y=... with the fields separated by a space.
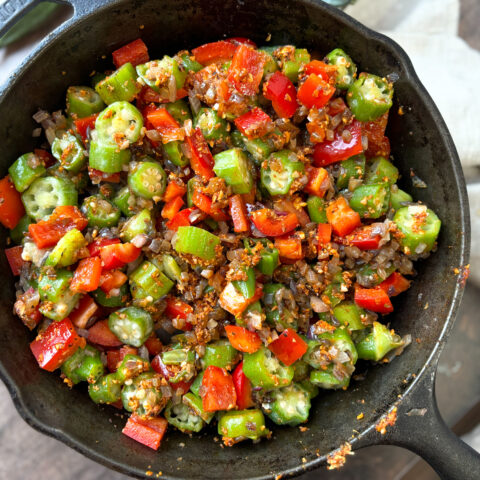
x=246 y=70
x=55 y=344
x=243 y=339
x=342 y=217
x=97 y=176
x=201 y=159
x=254 y=124
x=374 y=299
x=281 y=92
x=11 y=206
x=95 y=247
x=87 y=275
x=161 y=120
x=205 y=204
x=135 y=52
x=364 y=239
x=182 y=219
x=214 y=52
x=174 y=190
x=172 y=207
x=112 y=279
x=243 y=388
x=395 y=284
x=83 y=125
x=318 y=181
x=289 y=247
x=164 y=370
x=84 y=311
x=176 y=308
x=45 y=157
x=322 y=69
x=273 y=225
x=118 y=255
x=15 y=260
x=288 y=347
x=339 y=149
x=114 y=357
x=147 y=431
x=315 y=92
x=234 y=302
x=47 y=233
x=154 y=344
x=238 y=212
x=101 y=334
x=324 y=233
x=218 y=391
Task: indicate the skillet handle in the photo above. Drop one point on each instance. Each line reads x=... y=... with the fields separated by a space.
x=11 y=11
x=421 y=429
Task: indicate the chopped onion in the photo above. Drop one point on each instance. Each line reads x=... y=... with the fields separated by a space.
x=153 y=135
x=139 y=240
x=318 y=306
x=194 y=102
x=40 y=116
x=50 y=134
x=172 y=88
x=36 y=132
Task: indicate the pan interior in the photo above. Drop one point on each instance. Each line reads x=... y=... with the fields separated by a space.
x=418 y=143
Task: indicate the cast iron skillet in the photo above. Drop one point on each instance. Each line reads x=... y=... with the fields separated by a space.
x=420 y=140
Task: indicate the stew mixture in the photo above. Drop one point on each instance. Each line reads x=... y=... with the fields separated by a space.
x=214 y=236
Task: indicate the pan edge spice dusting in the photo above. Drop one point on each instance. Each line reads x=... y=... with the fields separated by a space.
x=214 y=236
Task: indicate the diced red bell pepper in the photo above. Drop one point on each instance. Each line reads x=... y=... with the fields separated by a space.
x=323 y=70
x=97 y=176
x=318 y=181
x=114 y=357
x=281 y=92
x=205 y=204
x=214 y=52
x=336 y=106
x=284 y=205
x=101 y=334
x=164 y=370
x=95 y=247
x=374 y=299
x=395 y=284
x=45 y=157
x=11 y=206
x=171 y=208
x=324 y=233
x=272 y=224
x=55 y=344
x=246 y=71
x=174 y=190
x=378 y=143
x=342 y=217
x=234 y=302
x=84 y=311
x=46 y=233
x=254 y=124
x=84 y=124
x=338 y=149
x=154 y=344
x=364 y=239
x=135 y=52
x=163 y=122
x=315 y=92
x=243 y=339
x=201 y=159
x=147 y=431
x=87 y=275
x=238 y=212
x=218 y=391
x=112 y=279
x=288 y=347
x=181 y=219
x=243 y=388
x=242 y=41
x=176 y=308
x=118 y=255
x=289 y=247
x=15 y=260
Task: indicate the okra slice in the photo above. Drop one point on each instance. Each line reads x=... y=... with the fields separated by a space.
x=149 y=281
x=371 y=201
x=182 y=417
x=282 y=169
x=376 y=344
x=350 y=315
x=196 y=241
x=157 y=73
x=140 y=223
x=195 y=405
x=107 y=157
x=173 y=151
x=275 y=315
x=111 y=300
x=67 y=249
x=107 y=389
x=131 y=325
x=143 y=395
x=399 y=198
x=46 y=193
x=69 y=152
x=291 y=67
x=258 y=148
x=220 y=354
x=131 y=366
x=190 y=64
x=85 y=365
x=25 y=170
x=288 y=406
x=121 y=85
x=316 y=209
x=100 y=212
x=381 y=171
x=213 y=127
x=120 y=121
x=147 y=180
x=353 y=167
x=179 y=110
x=83 y=101
x=327 y=380
x=125 y=201
x=271 y=64
x=419 y=228
x=346 y=69
x=238 y=425
x=18 y=233
x=369 y=97
x=170 y=268
x=233 y=166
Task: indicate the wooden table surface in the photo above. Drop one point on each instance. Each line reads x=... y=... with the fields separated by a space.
x=27 y=454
